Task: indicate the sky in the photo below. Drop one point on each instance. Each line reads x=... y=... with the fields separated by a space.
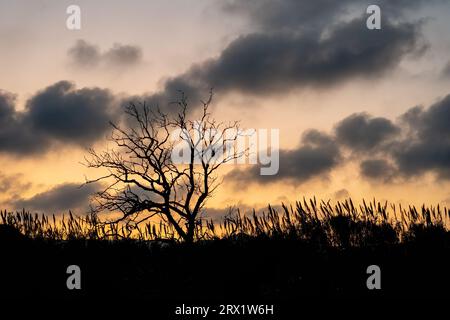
x=361 y=113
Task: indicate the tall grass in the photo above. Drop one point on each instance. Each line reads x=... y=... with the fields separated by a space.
x=342 y=224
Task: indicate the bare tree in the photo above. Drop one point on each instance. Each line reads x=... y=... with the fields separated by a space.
x=143 y=180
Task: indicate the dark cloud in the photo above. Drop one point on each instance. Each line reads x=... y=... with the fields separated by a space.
x=84 y=54
x=271 y=15
x=377 y=169
x=360 y=132
x=399 y=7
x=300 y=44
x=59 y=199
x=73 y=116
x=15 y=136
x=316 y=155
x=297 y=44
x=419 y=157
x=259 y=63
x=58 y=114
x=62 y=114
x=427 y=147
x=262 y=63
x=419 y=143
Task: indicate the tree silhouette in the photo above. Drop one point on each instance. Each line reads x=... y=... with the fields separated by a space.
x=145 y=177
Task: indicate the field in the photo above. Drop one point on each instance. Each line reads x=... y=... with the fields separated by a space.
x=312 y=250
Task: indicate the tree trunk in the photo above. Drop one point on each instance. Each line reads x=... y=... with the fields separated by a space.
x=191 y=230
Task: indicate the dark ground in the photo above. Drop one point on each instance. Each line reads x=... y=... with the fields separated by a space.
x=224 y=271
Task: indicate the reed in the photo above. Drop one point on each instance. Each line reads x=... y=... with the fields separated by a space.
x=341 y=224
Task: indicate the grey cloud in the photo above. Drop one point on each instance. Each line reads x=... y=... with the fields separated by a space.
x=13 y=183
x=7 y=101
x=84 y=54
x=287 y=14
x=58 y=114
x=172 y=90
x=123 y=55
x=59 y=199
x=217 y=214
x=360 y=132
x=341 y=194
x=446 y=71
x=316 y=155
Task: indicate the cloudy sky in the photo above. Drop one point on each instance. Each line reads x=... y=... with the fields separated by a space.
x=361 y=113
